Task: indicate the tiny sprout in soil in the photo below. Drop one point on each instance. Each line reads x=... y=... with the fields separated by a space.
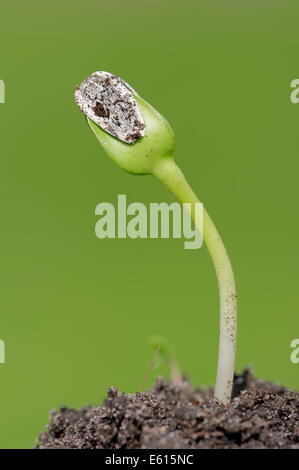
x=167 y=357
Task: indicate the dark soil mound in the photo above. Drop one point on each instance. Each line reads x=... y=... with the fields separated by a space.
x=262 y=415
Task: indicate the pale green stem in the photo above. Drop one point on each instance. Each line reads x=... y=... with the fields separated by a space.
x=175 y=373
x=170 y=174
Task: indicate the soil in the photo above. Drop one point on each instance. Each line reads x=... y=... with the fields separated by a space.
x=261 y=415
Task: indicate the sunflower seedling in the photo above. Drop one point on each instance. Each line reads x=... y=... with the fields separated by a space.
x=141 y=142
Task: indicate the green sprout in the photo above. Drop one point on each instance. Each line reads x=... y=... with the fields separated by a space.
x=167 y=356
x=140 y=140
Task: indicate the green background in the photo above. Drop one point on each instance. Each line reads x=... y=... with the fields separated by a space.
x=76 y=310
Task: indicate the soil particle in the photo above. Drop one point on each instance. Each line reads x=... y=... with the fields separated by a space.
x=100 y=111
x=261 y=415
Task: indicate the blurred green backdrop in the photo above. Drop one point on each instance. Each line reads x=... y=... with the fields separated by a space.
x=71 y=320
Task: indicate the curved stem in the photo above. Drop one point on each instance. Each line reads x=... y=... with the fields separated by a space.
x=170 y=174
